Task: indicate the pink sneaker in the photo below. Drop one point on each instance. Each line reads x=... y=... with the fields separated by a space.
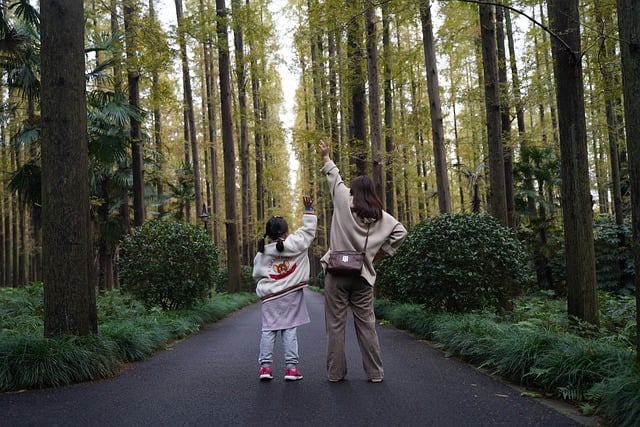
x=265 y=373
x=292 y=374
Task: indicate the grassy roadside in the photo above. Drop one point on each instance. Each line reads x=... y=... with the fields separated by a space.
x=594 y=371
x=127 y=332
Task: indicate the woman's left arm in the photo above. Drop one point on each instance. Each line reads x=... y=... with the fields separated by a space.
x=396 y=237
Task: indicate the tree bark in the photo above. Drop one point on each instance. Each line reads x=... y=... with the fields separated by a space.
x=356 y=88
x=231 y=225
x=69 y=296
x=435 y=109
x=133 y=79
x=375 y=122
x=576 y=197
x=629 y=29
x=505 y=119
x=389 y=189
x=188 y=110
x=245 y=169
x=207 y=53
x=497 y=198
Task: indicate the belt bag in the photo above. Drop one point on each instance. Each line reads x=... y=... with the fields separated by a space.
x=347 y=262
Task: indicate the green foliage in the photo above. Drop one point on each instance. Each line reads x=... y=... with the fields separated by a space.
x=127 y=332
x=168 y=264
x=34 y=362
x=456 y=262
x=247 y=284
x=22 y=309
x=620 y=397
x=571 y=366
x=614 y=263
x=540 y=350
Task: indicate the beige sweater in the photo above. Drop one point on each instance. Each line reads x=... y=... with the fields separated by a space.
x=348 y=231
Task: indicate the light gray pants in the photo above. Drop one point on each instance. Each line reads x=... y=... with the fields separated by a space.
x=289 y=344
x=340 y=294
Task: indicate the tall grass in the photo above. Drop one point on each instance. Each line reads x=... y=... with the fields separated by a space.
x=537 y=346
x=127 y=332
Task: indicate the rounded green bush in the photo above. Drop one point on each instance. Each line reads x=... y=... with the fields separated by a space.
x=457 y=263
x=168 y=264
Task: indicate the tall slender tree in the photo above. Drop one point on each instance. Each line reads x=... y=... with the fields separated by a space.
x=245 y=169
x=133 y=79
x=629 y=24
x=388 y=110
x=69 y=294
x=498 y=200
x=355 y=85
x=189 y=110
x=505 y=117
x=577 y=211
x=375 y=121
x=233 y=253
x=435 y=108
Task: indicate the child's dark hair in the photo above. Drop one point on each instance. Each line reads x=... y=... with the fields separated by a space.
x=276 y=228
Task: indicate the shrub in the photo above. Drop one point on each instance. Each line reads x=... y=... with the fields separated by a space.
x=456 y=262
x=614 y=264
x=168 y=264
x=247 y=283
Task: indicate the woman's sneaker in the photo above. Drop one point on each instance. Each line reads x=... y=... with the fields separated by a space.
x=265 y=373
x=292 y=374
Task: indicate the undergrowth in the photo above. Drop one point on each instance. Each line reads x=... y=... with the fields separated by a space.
x=127 y=332
x=537 y=346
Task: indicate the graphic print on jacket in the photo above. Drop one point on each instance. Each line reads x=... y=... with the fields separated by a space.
x=280 y=268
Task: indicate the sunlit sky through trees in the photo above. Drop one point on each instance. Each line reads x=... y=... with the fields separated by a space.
x=289 y=73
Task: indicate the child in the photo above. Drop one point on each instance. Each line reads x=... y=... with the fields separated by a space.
x=281 y=269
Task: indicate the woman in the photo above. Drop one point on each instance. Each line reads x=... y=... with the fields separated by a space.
x=357 y=216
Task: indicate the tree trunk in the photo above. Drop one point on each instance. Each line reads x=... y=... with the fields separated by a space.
x=233 y=253
x=389 y=189
x=576 y=198
x=375 y=122
x=188 y=109
x=435 y=109
x=606 y=54
x=355 y=86
x=157 y=125
x=333 y=93
x=497 y=198
x=207 y=50
x=515 y=78
x=629 y=25
x=133 y=79
x=69 y=297
x=245 y=169
x=258 y=140
x=505 y=119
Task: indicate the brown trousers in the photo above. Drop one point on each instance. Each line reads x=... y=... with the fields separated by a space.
x=340 y=294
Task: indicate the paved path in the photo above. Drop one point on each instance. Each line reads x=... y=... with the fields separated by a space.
x=210 y=379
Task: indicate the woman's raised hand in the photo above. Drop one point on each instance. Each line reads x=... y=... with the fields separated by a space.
x=324 y=149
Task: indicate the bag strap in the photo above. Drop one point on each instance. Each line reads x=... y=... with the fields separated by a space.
x=367 y=239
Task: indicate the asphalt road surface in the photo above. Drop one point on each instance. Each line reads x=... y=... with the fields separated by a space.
x=210 y=379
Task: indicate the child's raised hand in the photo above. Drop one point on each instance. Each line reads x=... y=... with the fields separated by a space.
x=308 y=203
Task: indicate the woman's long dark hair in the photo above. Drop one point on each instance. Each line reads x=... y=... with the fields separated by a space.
x=276 y=228
x=366 y=203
